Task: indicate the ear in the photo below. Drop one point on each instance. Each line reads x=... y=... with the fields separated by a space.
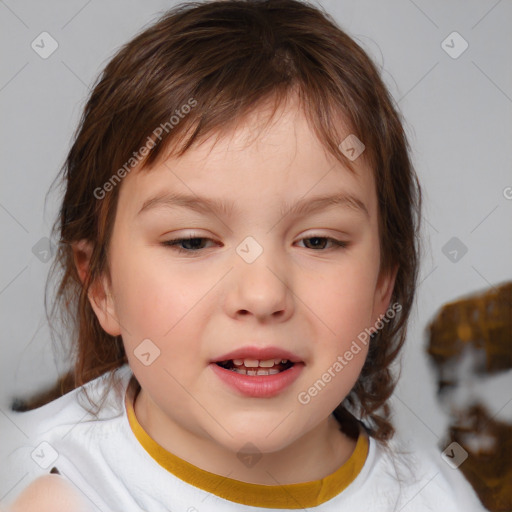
x=99 y=294
x=383 y=292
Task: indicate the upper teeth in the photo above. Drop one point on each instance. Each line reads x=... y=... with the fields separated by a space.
x=254 y=363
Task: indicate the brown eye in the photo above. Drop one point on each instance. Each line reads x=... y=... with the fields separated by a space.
x=319 y=242
x=189 y=245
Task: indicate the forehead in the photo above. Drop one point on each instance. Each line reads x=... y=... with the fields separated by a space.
x=262 y=159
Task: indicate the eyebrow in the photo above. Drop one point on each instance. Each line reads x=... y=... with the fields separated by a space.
x=207 y=205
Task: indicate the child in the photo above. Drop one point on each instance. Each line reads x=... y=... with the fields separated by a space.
x=238 y=245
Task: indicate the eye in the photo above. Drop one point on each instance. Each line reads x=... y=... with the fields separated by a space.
x=318 y=242
x=195 y=244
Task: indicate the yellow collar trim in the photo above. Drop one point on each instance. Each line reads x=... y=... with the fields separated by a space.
x=290 y=496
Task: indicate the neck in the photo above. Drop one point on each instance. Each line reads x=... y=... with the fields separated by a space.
x=313 y=456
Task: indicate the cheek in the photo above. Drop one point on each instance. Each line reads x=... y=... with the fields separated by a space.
x=154 y=299
x=343 y=297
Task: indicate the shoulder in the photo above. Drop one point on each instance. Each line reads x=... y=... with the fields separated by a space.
x=422 y=479
x=79 y=405
x=71 y=434
x=49 y=493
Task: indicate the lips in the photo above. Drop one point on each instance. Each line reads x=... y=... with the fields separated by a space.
x=258 y=372
x=259 y=353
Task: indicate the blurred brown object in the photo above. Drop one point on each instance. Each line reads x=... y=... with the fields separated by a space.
x=488 y=467
x=481 y=320
x=481 y=324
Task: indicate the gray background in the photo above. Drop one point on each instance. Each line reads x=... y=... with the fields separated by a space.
x=458 y=119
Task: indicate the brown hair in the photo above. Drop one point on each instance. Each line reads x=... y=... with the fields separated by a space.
x=230 y=57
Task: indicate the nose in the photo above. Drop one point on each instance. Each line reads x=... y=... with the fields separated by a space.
x=261 y=289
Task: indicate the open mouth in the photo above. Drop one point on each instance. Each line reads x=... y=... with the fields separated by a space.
x=256 y=367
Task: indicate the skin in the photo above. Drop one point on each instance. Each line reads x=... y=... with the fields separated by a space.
x=197 y=307
x=50 y=493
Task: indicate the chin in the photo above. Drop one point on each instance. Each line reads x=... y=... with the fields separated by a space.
x=255 y=434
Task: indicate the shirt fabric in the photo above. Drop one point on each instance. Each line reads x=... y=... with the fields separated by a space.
x=118 y=467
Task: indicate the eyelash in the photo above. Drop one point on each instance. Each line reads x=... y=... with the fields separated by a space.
x=173 y=244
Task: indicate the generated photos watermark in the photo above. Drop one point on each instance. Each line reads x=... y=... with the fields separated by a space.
x=139 y=155
x=304 y=397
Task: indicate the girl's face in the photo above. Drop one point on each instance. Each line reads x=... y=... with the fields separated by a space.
x=271 y=267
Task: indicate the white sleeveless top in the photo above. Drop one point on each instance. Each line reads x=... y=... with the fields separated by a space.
x=119 y=468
